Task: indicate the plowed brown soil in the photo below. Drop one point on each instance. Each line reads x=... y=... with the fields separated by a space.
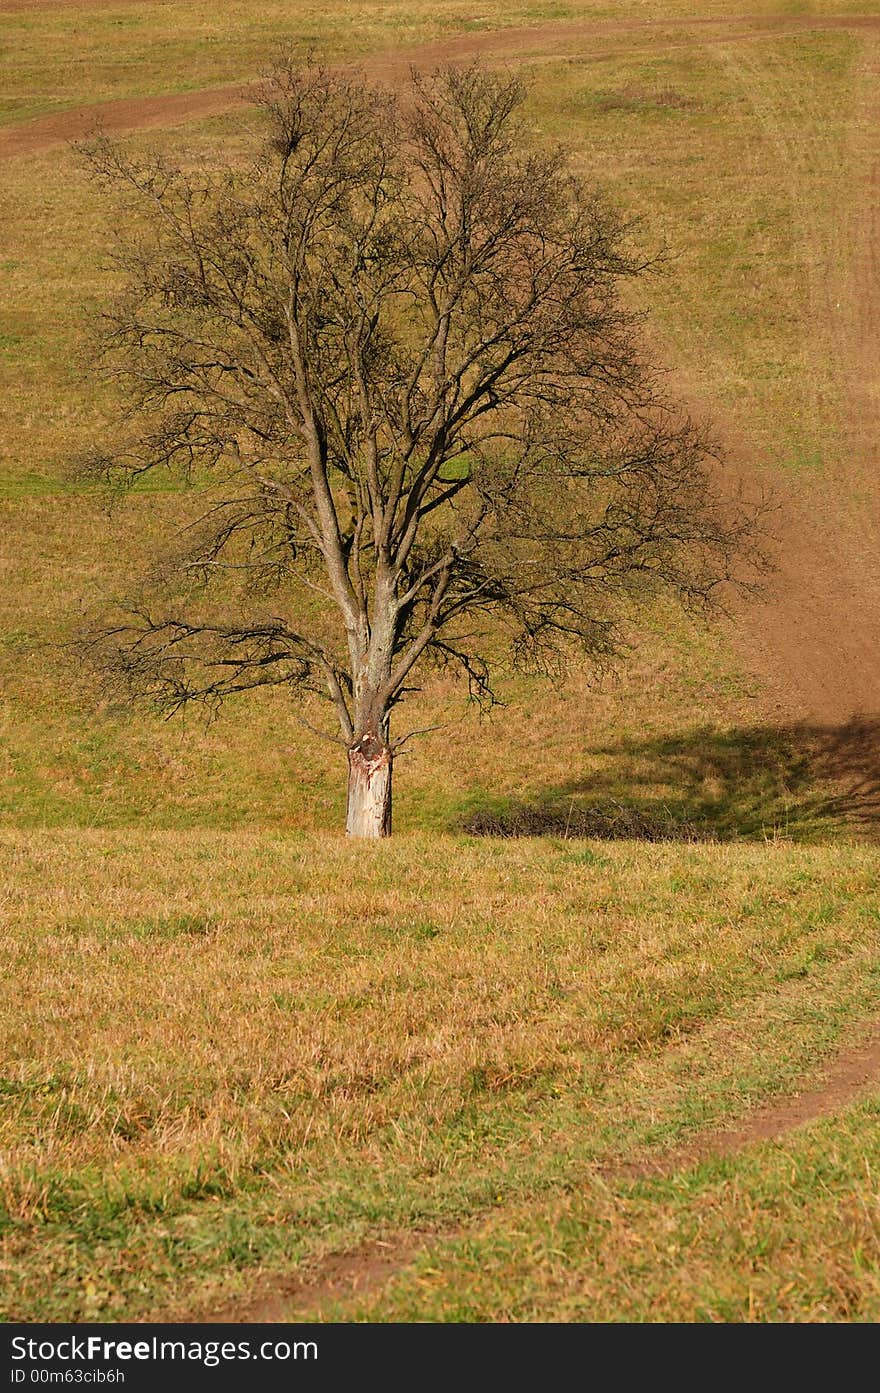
x=816 y=640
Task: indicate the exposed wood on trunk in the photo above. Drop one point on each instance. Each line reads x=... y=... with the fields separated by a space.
x=369 y=789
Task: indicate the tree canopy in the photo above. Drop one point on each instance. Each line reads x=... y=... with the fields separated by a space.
x=395 y=356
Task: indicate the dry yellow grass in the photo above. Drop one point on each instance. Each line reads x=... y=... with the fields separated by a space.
x=648 y=118
x=789 y=1232
x=211 y=1029
x=233 y=1045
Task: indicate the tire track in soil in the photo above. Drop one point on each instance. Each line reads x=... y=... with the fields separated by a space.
x=342 y=1277
x=816 y=640
x=843 y=268
x=849 y=1076
x=554 y=37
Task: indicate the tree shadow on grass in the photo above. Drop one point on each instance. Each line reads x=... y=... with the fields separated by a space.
x=802 y=782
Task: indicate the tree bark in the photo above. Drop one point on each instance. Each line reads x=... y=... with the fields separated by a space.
x=369 y=789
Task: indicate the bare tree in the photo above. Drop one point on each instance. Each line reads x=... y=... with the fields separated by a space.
x=394 y=353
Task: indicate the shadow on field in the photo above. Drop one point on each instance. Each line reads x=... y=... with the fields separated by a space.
x=797 y=781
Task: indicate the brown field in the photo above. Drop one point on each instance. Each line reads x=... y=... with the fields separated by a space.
x=251 y=1072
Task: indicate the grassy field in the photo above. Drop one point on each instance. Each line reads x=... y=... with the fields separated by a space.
x=734 y=318
x=236 y=1050
x=731 y=1241
x=234 y=1044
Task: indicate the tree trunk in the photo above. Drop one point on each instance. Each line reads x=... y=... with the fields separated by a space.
x=369 y=789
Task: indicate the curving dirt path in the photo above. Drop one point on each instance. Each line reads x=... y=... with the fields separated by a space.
x=553 y=37
x=338 y=1277
x=345 y=1276
x=850 y=1075
x=120 y=117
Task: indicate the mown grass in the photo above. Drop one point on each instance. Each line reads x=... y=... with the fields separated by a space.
x=298 y=1042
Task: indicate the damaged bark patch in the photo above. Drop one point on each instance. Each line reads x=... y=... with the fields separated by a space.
x=369 y=789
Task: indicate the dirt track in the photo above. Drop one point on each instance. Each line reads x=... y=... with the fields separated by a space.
x=344 y=1276
x=555 y=37
x=815 y=642
x=854 y=1072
